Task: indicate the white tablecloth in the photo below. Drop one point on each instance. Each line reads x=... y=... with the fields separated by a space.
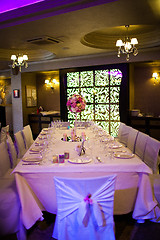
x=36 y=187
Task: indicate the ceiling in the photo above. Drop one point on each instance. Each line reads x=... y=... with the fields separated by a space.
x=50 y=30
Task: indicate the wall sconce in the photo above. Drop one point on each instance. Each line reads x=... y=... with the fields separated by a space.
x=156 y=77
x=51 y=83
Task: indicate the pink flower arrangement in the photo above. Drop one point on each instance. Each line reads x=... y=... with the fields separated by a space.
x=76 y=103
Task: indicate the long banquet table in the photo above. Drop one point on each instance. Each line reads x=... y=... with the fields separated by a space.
x=36 y=186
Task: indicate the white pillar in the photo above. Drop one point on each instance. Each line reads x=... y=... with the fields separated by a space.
x=17 y=110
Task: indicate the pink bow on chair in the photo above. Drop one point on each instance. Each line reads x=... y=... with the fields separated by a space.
x=88 y=199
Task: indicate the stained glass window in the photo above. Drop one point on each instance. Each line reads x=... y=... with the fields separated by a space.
x=101 y=89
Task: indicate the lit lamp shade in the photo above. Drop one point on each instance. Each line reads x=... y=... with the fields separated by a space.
x=119 y=43
x=155 y=75
x=25 y=57
x=47 y=81
x=13 y=57
x=134 y=41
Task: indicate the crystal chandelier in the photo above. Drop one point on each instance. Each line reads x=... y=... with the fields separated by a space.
x=128 y=46
x=20 y=60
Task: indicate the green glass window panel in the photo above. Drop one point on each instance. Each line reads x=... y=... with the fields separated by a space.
x=101 y=112
x=71 y=91
x=86 y=78
x=115 y=77
x=114 y=112
x=71 y=123
x=102 y=95
x=101 y=77
x=114 y=126
x=72 y=115
x=87 y=93
x=114 y=94
x=73 y=79
x=88 y=113
x=104 y=125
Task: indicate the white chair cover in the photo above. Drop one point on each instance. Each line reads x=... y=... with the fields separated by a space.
x=85 y=208
x=123 y=134
x=28 y=137
x=20 y=146
x=120 y=130
x=12 y=152
x=151 y=154
x=132 y=139
x=5 y=164
x=155 y=182
x=9 y=207
x=4 y=133
x=141 y=144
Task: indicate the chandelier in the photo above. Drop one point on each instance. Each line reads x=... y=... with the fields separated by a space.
x=20 y=60
x=128 y=46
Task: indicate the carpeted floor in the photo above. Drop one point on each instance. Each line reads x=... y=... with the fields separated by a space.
x=126 y=229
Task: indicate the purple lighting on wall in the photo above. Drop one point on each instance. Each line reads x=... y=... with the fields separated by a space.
x=9 y=5
x=14 y=12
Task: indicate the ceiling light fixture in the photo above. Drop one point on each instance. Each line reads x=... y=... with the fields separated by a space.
x=128 y=46
x=20 y=60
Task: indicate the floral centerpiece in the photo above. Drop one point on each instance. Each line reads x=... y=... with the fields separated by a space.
x=76 y=103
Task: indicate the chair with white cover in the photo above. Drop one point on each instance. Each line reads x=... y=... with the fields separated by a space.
x=155 y=183
x=132 y=137
x=123 y=133
x=141 y=144
x=20 y=145
x=5 y=164
x=12 y=152
x=28 y=136
x=9 y=200
x=151 y=154
x=84 y=208
x=4 y=133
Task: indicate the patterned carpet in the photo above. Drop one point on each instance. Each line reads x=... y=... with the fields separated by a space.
x=126 y=229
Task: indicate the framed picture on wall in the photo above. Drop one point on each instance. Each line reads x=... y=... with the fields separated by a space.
x=31 y=96
x=16 y=93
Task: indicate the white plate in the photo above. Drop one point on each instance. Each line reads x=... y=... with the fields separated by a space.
x=35 y=150
x=42 y=137
x=123 y=155
x=80 y=161
x=28 y=159
x=39 y=143
x=45 y=129
x=115 y=146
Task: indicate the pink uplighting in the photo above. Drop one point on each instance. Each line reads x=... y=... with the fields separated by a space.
x=12 y=5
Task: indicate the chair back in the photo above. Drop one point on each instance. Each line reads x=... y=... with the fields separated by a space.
x=141 y=144
x=4 y=133
x=151 y=154
x=85 y=208
x=20 y=145
x=5 y=164
x=28 y=136
x=132 y=137
x=124 y=133
x=12 y=152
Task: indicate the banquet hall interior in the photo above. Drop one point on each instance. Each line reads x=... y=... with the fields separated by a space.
x=68 y=47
